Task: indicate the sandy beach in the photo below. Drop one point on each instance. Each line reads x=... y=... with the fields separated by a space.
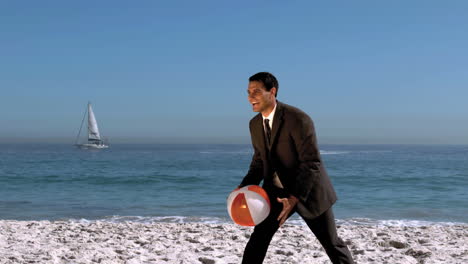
x=132 y=242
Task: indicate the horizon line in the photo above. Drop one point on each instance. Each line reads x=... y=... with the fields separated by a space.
x=219 y=140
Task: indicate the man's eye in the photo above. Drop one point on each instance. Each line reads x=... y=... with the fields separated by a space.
x=254 y=92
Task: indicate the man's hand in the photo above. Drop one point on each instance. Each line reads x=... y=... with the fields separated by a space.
x=288 y=206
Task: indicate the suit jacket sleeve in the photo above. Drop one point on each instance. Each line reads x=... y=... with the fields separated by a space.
x=255 y=173
x=308 y=173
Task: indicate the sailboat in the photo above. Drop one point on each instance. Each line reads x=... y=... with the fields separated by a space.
x=94 y=138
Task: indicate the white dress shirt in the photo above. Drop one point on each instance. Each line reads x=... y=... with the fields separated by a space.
x=270 y=118
x=276 y=180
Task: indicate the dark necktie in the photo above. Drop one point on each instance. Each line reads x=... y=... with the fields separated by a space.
x=267 y=130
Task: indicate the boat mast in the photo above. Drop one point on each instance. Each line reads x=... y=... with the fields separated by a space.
x=79 y=132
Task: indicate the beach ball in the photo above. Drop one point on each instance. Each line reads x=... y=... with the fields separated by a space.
x=249 y=205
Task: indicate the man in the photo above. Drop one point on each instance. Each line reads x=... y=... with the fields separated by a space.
x=286 y=157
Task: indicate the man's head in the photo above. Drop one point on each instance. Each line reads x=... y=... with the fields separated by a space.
x=267 y=79
x=262 y=91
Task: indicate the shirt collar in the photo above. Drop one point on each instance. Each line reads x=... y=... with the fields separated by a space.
x=271 y=115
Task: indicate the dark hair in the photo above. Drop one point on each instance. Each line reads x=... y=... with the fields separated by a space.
x=268 y=80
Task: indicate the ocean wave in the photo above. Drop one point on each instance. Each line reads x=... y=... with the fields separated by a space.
x=13 y=203
x=157 y=219
x=393 y=222
x=340 y=152
x=323 y=152
x=226 y=152
x=329 y=152
x=295 y=220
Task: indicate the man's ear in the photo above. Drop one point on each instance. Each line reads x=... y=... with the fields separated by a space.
x=273 y=90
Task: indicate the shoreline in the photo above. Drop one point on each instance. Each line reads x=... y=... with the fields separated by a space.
x=134 y=242
x=294 y=220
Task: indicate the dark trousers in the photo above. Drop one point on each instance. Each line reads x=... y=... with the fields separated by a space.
x=322 y=226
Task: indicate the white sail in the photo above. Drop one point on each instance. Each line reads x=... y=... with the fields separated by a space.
x=94 y=138
x=93 y=130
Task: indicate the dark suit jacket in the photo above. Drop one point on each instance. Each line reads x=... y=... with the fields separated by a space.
x=294 y=155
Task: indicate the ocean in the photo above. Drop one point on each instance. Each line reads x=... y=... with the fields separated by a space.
x=401 y=184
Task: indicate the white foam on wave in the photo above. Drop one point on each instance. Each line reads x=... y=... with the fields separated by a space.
x=322 y=152
x=156 y=219
x=294 y=220
x=329 y=152
x=393 y=222
x=341 y=152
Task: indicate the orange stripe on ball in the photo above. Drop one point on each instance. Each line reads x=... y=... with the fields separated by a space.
x=240 y=211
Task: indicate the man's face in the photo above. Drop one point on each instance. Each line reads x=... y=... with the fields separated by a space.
x=262 y=101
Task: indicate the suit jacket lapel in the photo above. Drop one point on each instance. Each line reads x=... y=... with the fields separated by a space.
x=259 y=134
x=277 y=121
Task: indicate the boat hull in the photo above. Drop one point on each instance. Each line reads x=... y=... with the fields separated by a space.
x=92 y=146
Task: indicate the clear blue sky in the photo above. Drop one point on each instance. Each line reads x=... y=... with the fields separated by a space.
x=366 y=71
